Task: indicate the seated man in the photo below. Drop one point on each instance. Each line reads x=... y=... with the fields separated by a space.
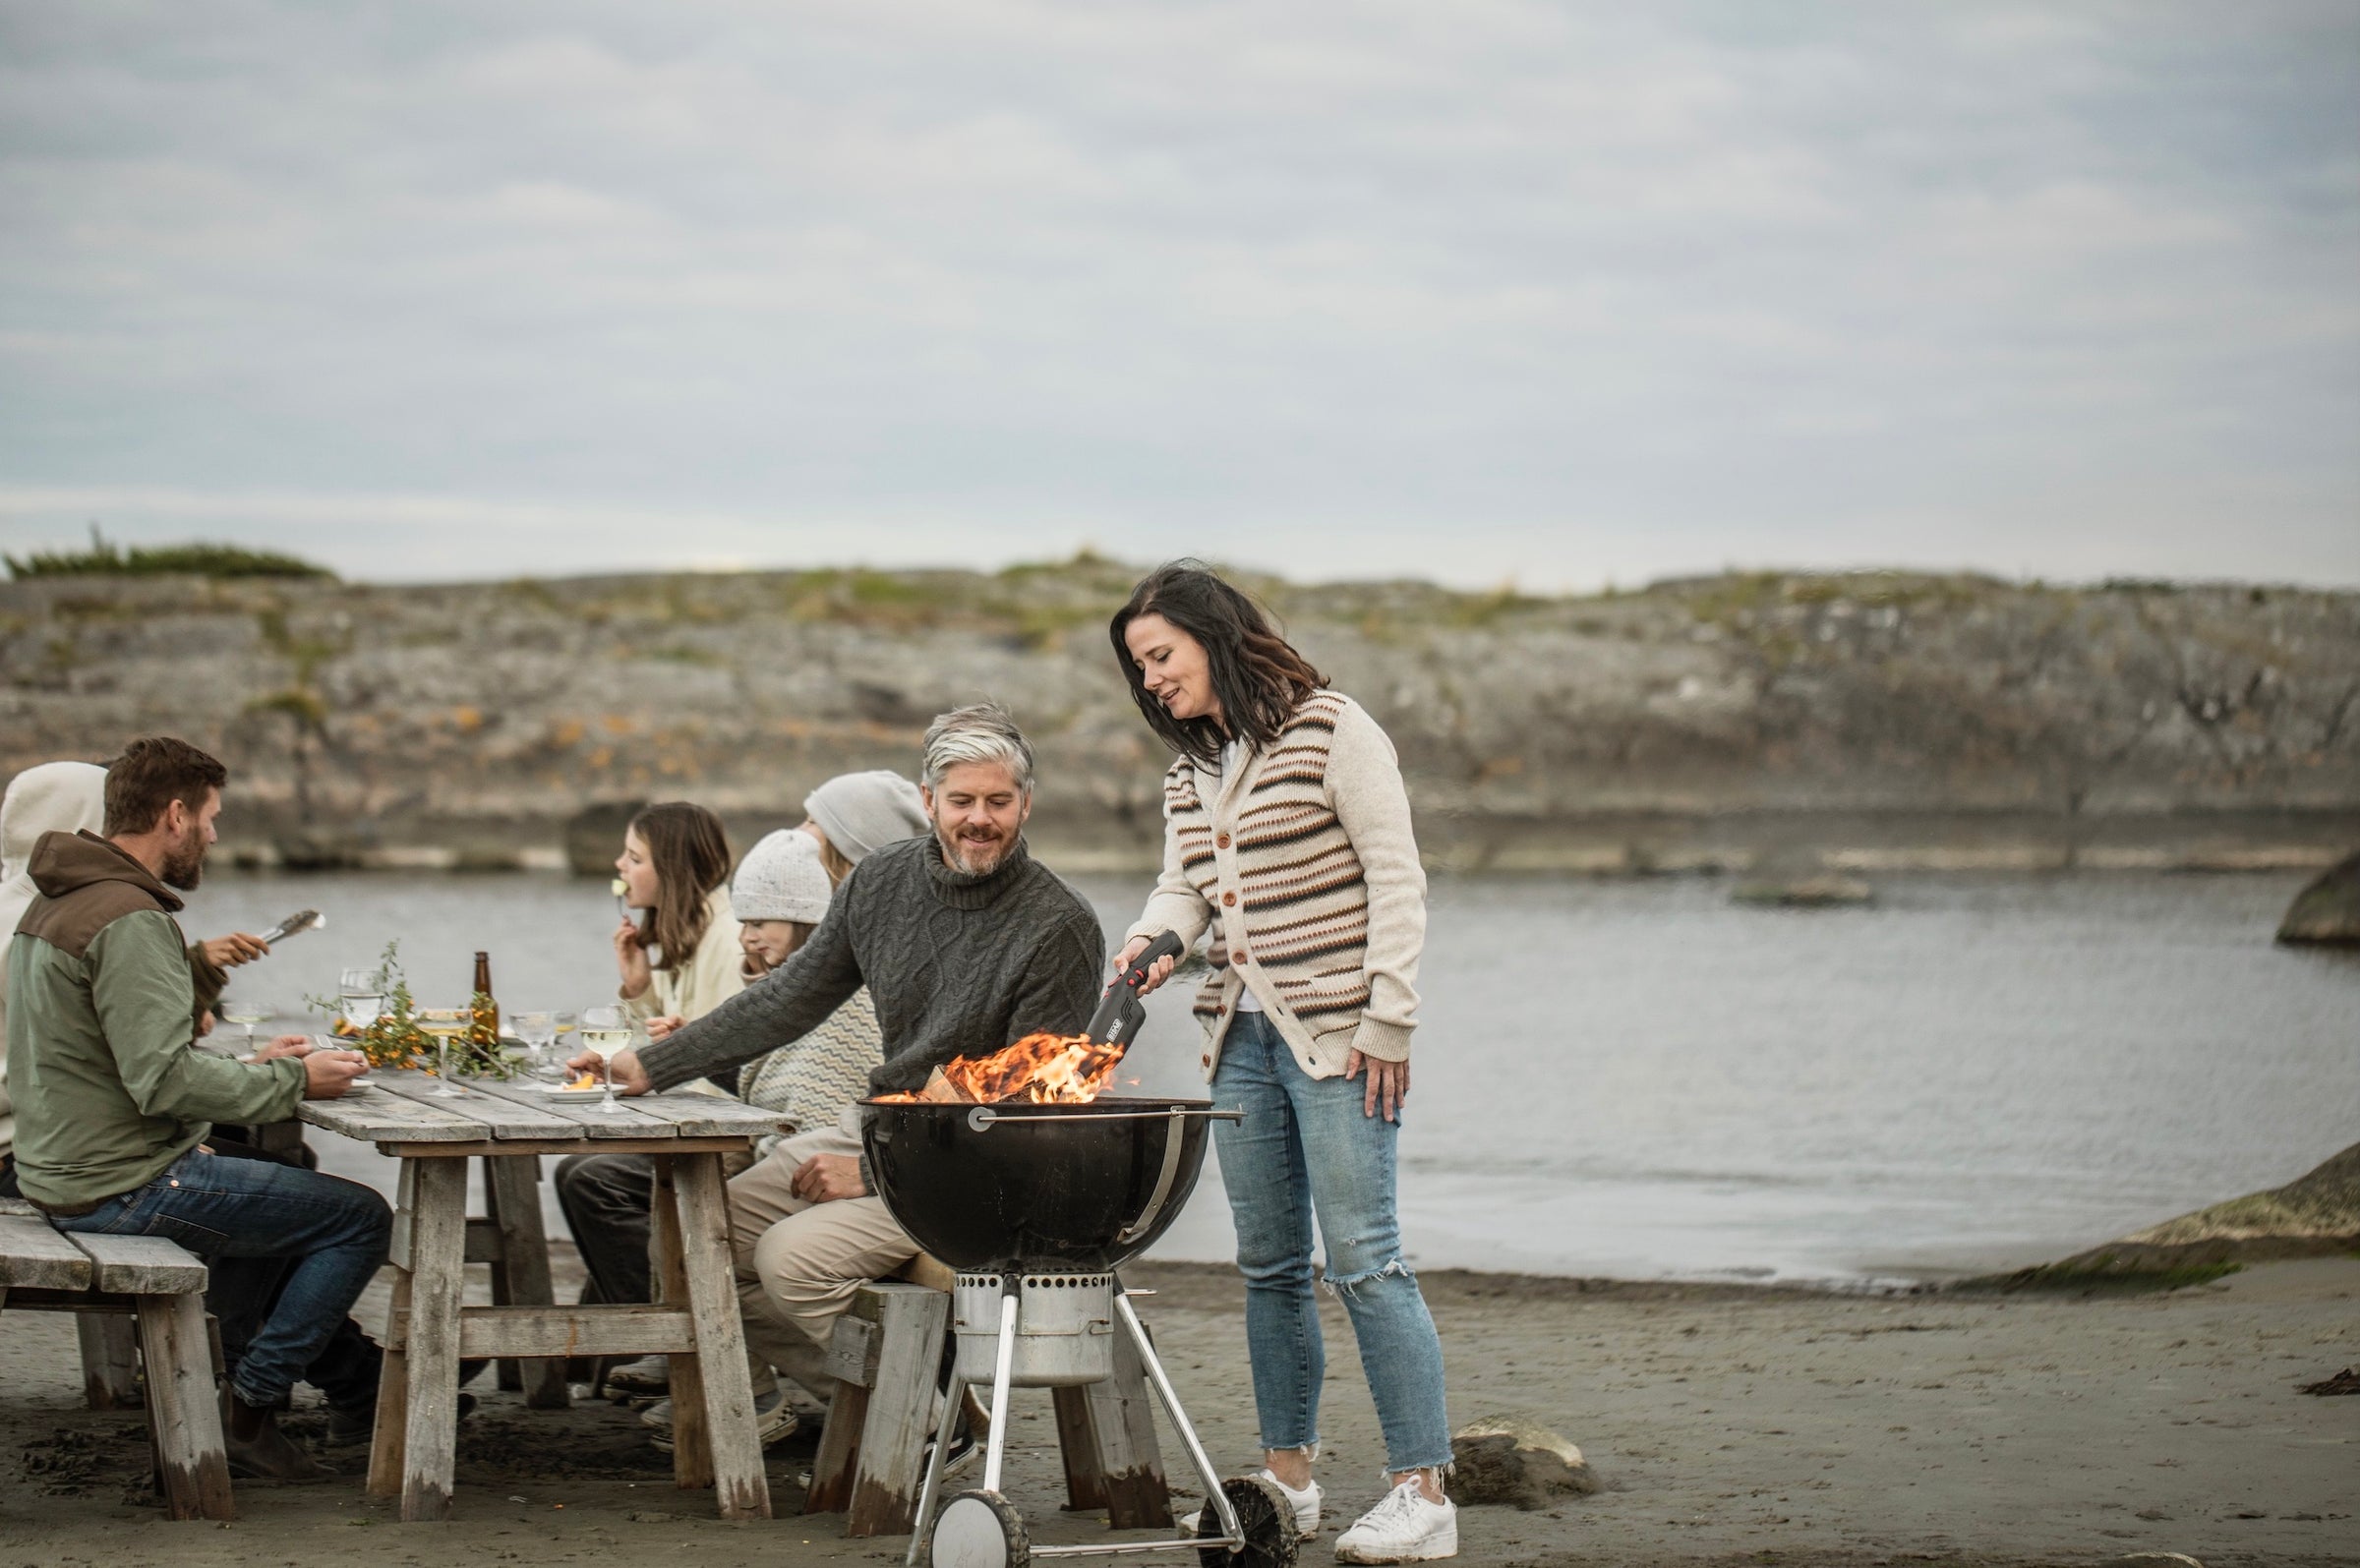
x=967 y=944
x=113 y=1104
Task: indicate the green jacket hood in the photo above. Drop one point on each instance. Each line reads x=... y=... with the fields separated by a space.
x=68 y=862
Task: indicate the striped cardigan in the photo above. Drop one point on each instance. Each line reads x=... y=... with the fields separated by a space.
x=1303 y=868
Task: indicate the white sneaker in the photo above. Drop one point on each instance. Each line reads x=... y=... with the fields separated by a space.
x=1305 y=1503
x=1404 y=1527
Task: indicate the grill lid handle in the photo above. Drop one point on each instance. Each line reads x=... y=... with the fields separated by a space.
x=1172 y=1130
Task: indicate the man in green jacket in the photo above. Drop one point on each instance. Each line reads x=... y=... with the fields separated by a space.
x=113 y=1101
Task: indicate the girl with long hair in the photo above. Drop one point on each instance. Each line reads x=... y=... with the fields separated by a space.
x=679 y=959
x=1287 y=839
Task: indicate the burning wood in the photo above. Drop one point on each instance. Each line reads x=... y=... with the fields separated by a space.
x=1038 y=1069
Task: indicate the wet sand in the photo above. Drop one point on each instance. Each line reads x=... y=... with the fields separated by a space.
x=1728 y=1424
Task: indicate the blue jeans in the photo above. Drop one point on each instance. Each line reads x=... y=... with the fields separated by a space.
x=335 y=1232
x=1305 y=1147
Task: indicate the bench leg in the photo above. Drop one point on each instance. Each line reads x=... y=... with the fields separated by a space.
x=735 y=1452
x=1122 y=1428
x=110 y=1360
x=668 y=1274
x=184 y=1409
x=509 y=1185
x=900 y=1413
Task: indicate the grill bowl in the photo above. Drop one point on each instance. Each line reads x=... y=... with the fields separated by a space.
x=1040 y=1187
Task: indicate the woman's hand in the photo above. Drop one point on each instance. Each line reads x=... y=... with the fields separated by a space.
x=1388 y=1082
x=227 y=953
x=630 y=961
x=659 y=1028
x=1157 y=975
x=628 y=1076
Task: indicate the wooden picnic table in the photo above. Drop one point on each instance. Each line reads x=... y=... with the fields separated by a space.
x=428 y=1331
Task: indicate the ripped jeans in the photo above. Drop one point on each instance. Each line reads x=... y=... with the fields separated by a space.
x=1303 y=1148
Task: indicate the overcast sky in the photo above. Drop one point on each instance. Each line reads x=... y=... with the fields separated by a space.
x=1473 y=290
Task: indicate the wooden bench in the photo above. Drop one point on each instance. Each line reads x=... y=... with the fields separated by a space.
x=161 y=1286
x=887 y=1356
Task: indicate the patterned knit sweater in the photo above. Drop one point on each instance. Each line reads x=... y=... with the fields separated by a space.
x=1302 y=865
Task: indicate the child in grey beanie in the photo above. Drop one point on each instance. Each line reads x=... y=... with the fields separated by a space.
x=864 y=811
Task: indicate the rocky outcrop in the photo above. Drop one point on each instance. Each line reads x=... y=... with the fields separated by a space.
x=2328 y=912
x=1863 y=723
x=1517 y=1461
x=2318 y=1214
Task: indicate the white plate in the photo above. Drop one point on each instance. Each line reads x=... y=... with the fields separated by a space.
x=558 y=1091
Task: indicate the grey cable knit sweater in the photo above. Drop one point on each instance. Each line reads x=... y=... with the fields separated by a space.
x=957 y=965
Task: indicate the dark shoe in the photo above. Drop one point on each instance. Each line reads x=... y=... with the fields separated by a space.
x=348 y=1427
x=257 y=1450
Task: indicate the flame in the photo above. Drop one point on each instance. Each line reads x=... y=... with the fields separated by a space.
x=1038 y=1069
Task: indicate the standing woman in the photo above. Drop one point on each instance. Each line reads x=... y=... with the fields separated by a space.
x=1287 y=836
x=681 y=960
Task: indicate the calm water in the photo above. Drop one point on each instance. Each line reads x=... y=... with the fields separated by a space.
x=1637 y=1078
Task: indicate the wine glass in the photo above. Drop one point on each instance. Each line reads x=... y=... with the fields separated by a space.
x=539 y=1033
x=607 y=1032
x=248 y=1013
x=361 y=998
x=446 y=1025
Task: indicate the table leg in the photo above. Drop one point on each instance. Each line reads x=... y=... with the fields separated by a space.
x=511 y=1185
x=389 y=1440
x=691 y=1438
x=437 y=1257
x=729 y=1394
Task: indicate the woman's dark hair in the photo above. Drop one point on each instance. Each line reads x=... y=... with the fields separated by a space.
x=1258 y=677
x=692 y=856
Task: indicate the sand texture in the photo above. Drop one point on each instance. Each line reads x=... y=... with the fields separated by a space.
x=1723 y=1424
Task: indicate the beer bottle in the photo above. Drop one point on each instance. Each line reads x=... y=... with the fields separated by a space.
x=483 y=1029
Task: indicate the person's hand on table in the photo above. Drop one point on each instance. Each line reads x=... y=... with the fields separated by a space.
x=629 y=1076
x=285 y=1045
x=326 y=1074
x=1388 y=1084
x=227 y=953
x=630 y=960
x=1161 y=972
x=825 y=1177
x=658 y=1028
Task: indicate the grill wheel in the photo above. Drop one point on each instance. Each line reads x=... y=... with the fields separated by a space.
x=1268 y=1524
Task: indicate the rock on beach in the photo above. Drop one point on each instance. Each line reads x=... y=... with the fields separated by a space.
x=1513 y=1459
x=2328 y=912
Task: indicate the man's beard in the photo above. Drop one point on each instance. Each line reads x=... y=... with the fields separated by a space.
x=184 y=863
x=973 y=859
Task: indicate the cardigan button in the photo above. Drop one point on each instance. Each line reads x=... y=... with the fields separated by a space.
x=1221 y=841
x=1228 y=897
x=1237 y=957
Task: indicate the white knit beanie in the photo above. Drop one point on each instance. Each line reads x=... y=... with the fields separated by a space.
x=781 y=879
x=864 y=811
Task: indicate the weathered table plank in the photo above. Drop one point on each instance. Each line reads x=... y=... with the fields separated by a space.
x=500 y=1115
x=584 y=1117
x=380 y=1117
x=708 y=1115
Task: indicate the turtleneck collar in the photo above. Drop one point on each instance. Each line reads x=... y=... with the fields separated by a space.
x=964 y=889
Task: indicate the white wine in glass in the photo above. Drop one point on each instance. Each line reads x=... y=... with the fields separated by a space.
x=607 y=1032
x=446 y=1025
x=248 y=1013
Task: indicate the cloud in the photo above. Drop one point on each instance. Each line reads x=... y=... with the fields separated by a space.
x=1500 y=288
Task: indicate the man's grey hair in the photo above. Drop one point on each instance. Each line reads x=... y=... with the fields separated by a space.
x=984 y=733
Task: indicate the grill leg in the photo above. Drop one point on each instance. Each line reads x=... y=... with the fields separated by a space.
x=1214 y=1490
x=1011 y=1287
x=952 y=1397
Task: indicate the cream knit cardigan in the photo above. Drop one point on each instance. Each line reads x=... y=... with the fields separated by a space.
x=706 y=980
x=1302 y=865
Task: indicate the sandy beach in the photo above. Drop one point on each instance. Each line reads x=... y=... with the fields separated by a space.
x=1726 y=1423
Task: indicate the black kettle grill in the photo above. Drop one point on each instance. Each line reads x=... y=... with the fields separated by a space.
x=1036 y=1207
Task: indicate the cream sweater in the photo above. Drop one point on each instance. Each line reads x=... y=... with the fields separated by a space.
x=707 y=980
x=1302 y=865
